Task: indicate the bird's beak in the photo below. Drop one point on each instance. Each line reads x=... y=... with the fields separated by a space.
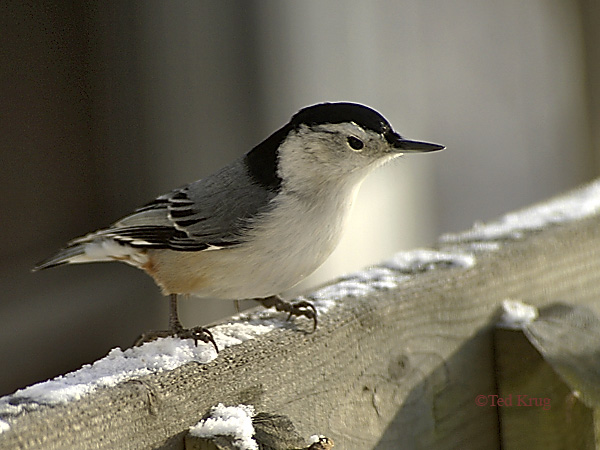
x=402 y=145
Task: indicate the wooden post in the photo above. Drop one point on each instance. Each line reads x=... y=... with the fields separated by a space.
x=548 y=381
x=398 y=363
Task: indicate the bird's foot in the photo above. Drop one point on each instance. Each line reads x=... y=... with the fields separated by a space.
x=301 y=308
x=197 y=334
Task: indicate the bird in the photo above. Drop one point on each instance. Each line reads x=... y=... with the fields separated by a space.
x=258 y=226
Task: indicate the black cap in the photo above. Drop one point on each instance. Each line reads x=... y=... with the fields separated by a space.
x=323 y=113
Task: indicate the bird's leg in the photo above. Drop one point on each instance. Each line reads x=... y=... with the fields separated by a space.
x=174 y=323
x=197 y=333
x=176 y=329
x=302 y=308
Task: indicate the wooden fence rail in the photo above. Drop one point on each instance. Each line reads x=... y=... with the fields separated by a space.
x=406 y=356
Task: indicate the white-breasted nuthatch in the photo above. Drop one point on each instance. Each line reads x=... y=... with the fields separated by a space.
x=260 y=225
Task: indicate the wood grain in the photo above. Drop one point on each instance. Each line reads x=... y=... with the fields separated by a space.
x=397 y=369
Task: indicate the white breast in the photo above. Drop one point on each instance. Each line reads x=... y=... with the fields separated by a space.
x=299 y=237
x=283 y=248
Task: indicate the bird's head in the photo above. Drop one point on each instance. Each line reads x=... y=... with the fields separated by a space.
x=331 y=143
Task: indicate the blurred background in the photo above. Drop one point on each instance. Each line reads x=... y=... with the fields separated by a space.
x=106 y=104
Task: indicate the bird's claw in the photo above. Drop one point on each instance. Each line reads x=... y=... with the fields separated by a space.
x=202 y=334
x=301 y=308
x=197 y=334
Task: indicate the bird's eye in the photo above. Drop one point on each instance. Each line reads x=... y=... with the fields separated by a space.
x=355 y=143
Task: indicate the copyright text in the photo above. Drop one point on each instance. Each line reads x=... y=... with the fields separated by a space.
x=510 y=400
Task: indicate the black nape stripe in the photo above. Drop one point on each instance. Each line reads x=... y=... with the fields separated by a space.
x=261 y=161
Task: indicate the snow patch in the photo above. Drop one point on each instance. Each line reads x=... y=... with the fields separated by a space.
x=234 y=421
x=421 y=260
x=388 y=276
x=516 y=315
x=316 y=438
x=121 y=365
x=580 y=204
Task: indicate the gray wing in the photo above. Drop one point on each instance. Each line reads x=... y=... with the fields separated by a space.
x=212 y=212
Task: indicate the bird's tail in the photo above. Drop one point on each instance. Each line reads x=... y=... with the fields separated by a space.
x=70 y=254
x=95 y=247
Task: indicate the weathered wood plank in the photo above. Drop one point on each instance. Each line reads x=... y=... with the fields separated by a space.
x=548 y=380
x=398 y=368
x=538 y=410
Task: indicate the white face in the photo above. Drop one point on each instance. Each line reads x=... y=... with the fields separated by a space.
x=331 y=153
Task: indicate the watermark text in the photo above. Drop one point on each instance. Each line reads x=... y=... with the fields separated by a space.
x=510 y=400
